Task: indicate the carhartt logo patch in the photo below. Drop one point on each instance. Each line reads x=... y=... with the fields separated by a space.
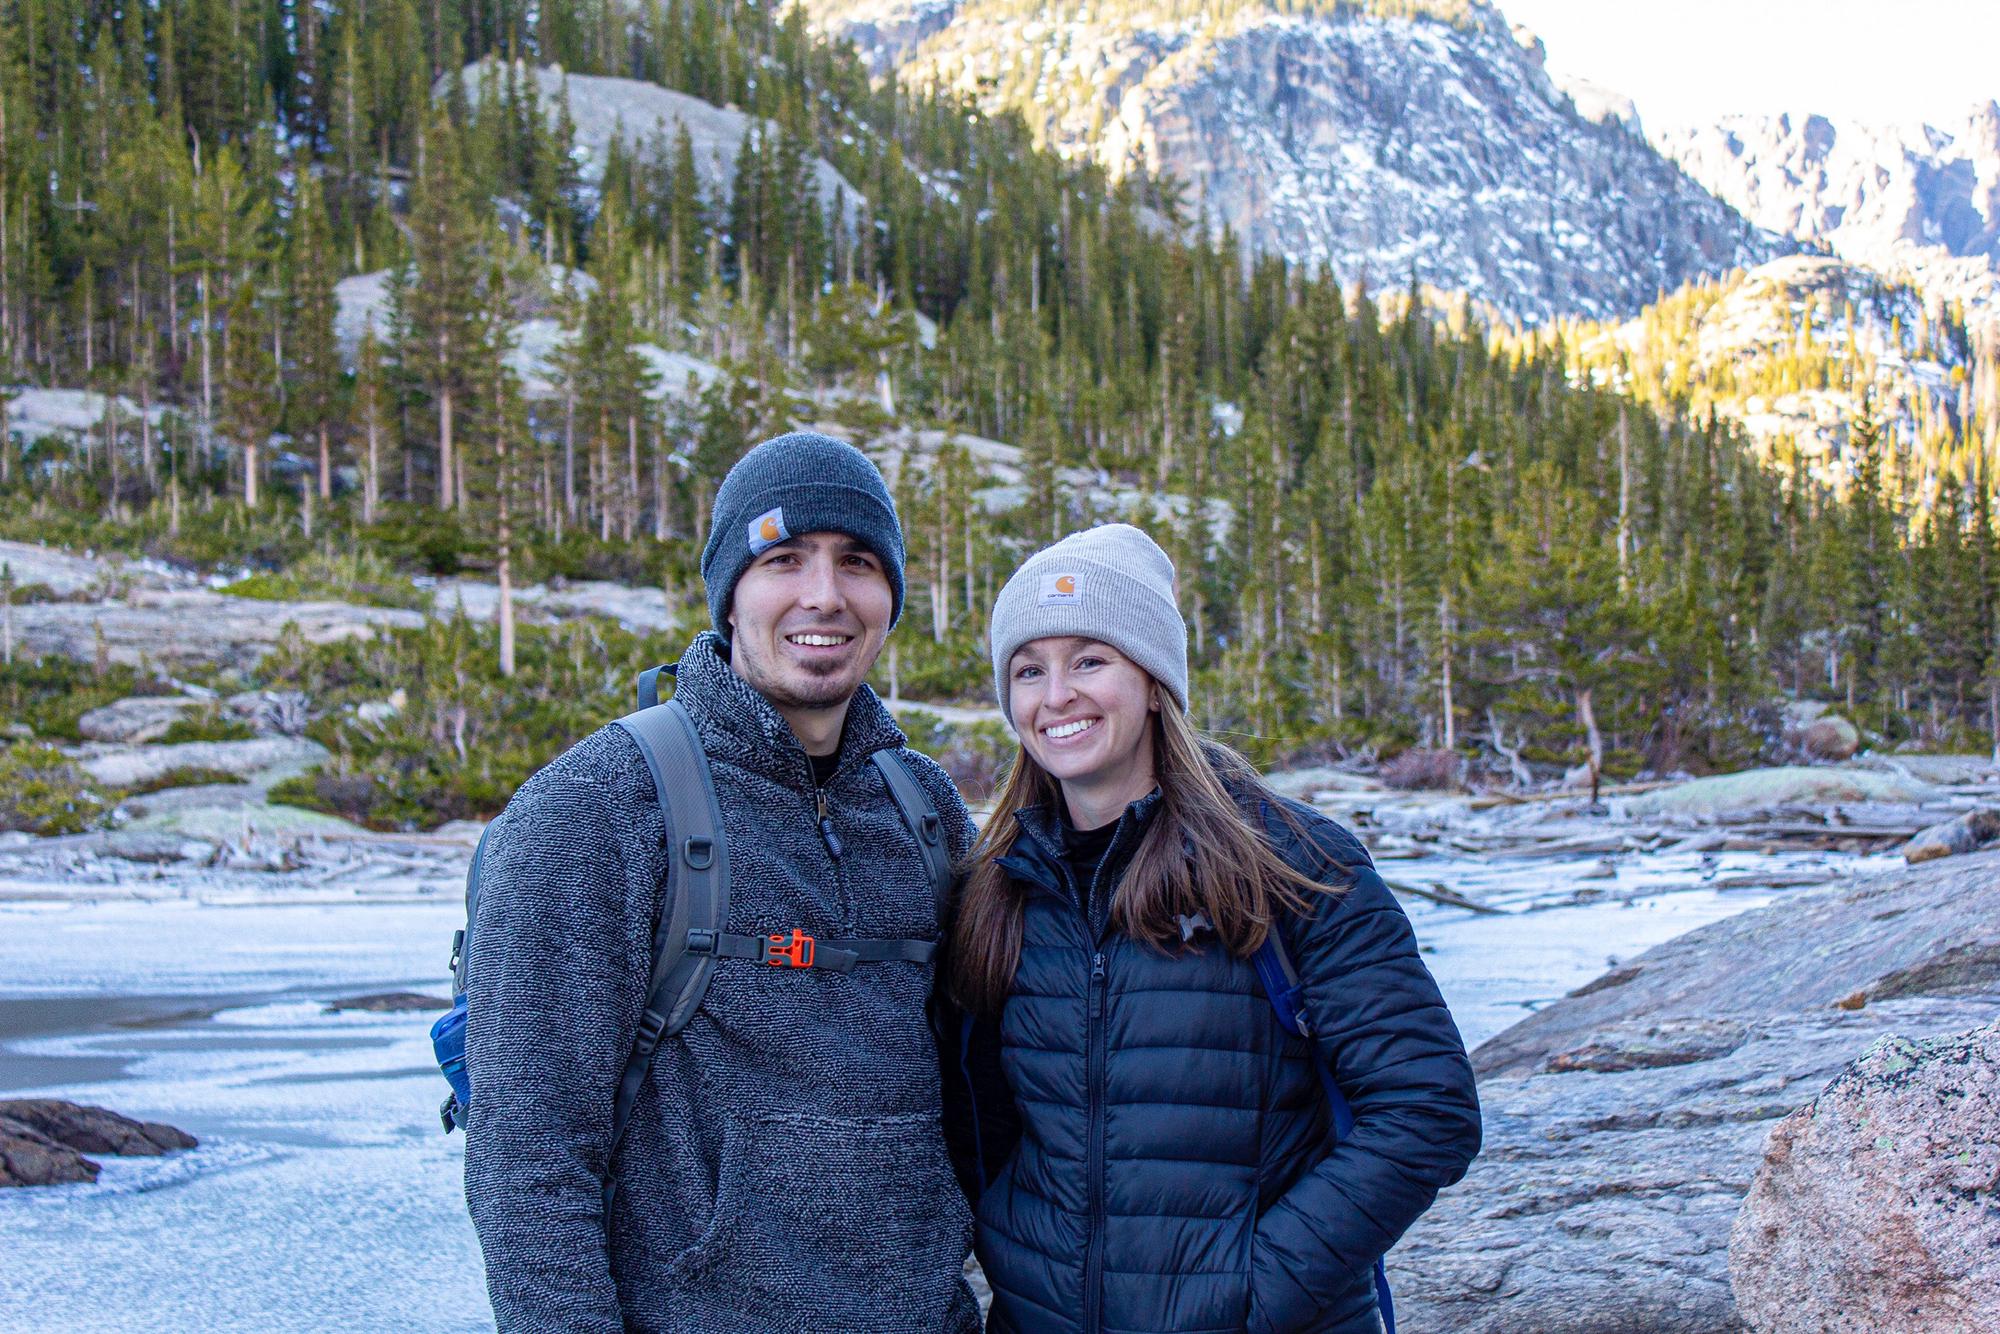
x=1059 y=589
x=767 y=530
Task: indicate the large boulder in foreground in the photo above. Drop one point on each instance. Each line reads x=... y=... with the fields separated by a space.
x=1878 y=1203
x=43 y=1140
x=1626 y=1122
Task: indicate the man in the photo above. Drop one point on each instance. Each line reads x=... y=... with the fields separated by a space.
x=784 y=1167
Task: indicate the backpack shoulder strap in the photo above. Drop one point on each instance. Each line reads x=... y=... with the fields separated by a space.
x=1280 y=977
x=697 y=890
x=460 y=953
x=921 y=815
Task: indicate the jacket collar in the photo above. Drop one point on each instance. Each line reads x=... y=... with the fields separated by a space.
x=739 y=726
x=1037 y=854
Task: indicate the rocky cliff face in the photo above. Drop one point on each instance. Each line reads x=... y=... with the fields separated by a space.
x=1862 y=190
x=1914 y=201
x=1626 y=1122
x=1388 y=147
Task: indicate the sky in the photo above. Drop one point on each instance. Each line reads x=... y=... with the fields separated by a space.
x=1688 y=61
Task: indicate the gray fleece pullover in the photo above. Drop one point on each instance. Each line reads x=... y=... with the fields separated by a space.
x=785 y=1170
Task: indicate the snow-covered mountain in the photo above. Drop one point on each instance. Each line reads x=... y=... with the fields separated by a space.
x=1915 y=202
x=1375 y=143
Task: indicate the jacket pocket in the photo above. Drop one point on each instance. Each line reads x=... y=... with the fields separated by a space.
x=830 y=1223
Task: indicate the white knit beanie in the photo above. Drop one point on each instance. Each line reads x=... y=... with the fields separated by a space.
x=1112 y=584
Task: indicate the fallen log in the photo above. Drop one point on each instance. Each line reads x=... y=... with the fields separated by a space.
x=1450 y=898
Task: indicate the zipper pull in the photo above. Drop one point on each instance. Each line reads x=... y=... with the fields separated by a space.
x=1097 y=984
x=826 y=825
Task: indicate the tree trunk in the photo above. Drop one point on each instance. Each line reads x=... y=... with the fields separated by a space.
x=506 y=588
x=629 y=521
x=207 y=372
x=659 y=485
x=146 y=461
x=569 y=455
x=1444 y=636
x=1587 y=716
x=446 y=498
x=1624 y=502
x=371 y=477
x=325 y=465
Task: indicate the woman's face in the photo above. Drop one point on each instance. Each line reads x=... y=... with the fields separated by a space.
x=1083 y=711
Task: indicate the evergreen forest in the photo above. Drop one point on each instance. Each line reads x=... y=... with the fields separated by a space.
x=1397 y=527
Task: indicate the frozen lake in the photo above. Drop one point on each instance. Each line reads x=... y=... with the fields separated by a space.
x=324 y=1196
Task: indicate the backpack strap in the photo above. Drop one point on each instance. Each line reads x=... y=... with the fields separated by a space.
x=796 y=949
x=649 y=685
x=1281 y=983
x=697 y=889
x=921 y=815
x=460 y=955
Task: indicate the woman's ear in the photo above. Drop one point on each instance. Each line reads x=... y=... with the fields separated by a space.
x=1153 y=704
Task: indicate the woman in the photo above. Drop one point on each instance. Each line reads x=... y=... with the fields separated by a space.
x=1153 y=1150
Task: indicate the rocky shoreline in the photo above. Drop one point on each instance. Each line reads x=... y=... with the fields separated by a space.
x=1626 y=1123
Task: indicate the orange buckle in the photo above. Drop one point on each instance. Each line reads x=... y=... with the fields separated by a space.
x=794 y=951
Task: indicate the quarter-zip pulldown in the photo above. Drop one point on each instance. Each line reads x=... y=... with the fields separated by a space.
x=826 y=824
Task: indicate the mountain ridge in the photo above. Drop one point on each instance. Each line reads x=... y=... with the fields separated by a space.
x=1426 y=143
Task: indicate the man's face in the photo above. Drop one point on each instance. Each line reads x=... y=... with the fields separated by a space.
x=808 y=619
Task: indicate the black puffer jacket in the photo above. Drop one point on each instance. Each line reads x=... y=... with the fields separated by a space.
x=1168 y=1164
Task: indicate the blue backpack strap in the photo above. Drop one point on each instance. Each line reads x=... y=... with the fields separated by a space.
x=448 y=1033
x=1281 y=983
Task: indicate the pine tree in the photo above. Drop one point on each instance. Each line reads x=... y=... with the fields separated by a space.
x=443 y=329
x=251 y=407
x=315 y=373
x=370 y=417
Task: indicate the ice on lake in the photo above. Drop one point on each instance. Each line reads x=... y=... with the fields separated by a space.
x=324 y=1194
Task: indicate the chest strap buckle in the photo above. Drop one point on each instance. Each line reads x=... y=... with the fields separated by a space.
x=793 y=951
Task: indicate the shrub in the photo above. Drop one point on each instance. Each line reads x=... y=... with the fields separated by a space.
x=49 y=694
x=42 y=792
x=1416 y=768
x=976 y=755
x=188 y=775
x=463 y=737
x=352 y=575
x=206 y=724
x=977 y=758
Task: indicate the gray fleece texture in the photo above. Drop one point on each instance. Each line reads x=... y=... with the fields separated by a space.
x=785 y=1170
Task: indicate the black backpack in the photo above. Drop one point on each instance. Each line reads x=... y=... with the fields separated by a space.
x=688 y=937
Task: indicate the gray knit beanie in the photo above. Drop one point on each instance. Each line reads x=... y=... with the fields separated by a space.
x=789 y=486
x=1112 y=584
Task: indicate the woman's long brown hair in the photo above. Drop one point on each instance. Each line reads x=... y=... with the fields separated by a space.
x=1200 y=854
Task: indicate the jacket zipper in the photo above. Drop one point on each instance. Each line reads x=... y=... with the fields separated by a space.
x=831 y=839
x=1093 y=1261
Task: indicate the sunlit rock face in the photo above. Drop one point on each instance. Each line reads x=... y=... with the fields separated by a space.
x=1436 y=147
x=1919 y=202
